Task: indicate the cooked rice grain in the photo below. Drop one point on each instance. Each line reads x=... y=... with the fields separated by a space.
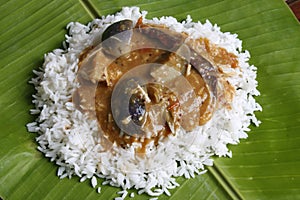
x=69 y=138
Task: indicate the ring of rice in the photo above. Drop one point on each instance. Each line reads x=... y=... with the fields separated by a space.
x=70 y=139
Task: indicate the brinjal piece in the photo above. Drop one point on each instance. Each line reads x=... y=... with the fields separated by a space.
x=116 y=28
x=206 y=70
x=116 y=38
x=170 y=40
x=137 y=108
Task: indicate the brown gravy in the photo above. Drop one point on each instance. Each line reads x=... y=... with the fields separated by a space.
x=95 y=97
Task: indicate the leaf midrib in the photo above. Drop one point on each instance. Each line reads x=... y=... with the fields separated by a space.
x=222 y=180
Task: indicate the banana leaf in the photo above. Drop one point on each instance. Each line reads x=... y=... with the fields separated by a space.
x=264 y=166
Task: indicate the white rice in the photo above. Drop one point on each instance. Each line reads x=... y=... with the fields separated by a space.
x=131 y=195
x=70 y=139
x=94 y=181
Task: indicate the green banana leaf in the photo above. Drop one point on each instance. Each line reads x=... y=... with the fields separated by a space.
x=265 y=166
